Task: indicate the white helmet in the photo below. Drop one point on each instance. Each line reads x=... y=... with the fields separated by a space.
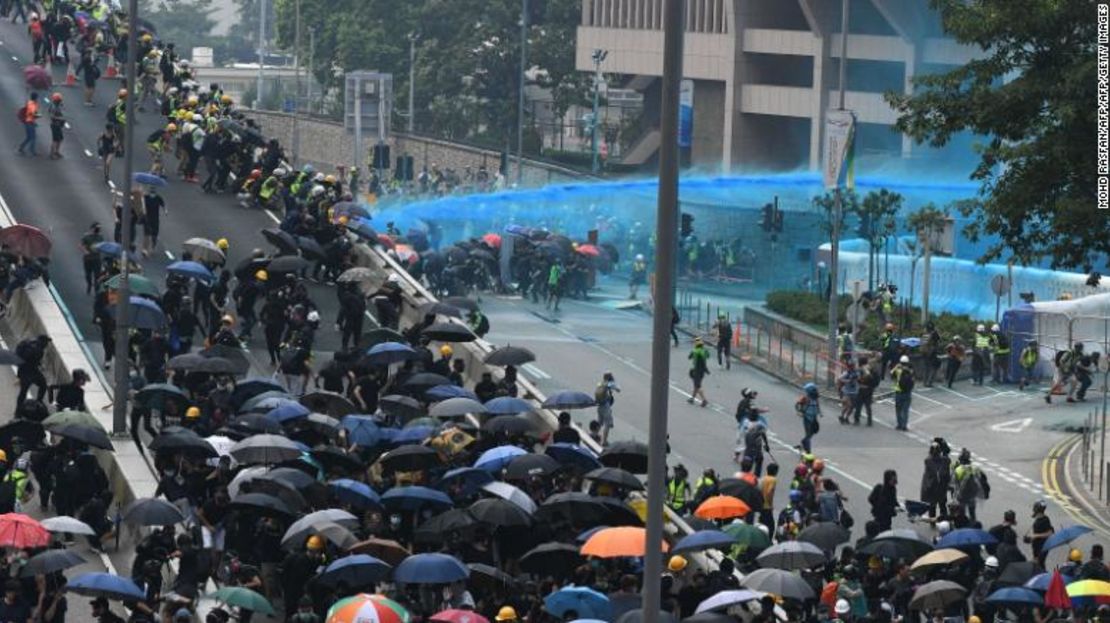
x=995 y=328
x=313 y=316
x=394 y=278
x=842 y=606
x=316 y=191
x=639 y=257
x=319 y=177
x=981 y=328
x=943 y=527
x=991 y=562
x=198 y=118
x=904 y=359
x=280 y=172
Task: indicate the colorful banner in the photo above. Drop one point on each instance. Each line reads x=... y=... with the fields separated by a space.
x=686 y=113
x=840 y=138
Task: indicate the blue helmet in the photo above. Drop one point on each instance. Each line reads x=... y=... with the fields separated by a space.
x=795 y=495
x=309 y=169
x=810 y=389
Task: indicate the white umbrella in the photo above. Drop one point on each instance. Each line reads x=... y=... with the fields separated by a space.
x=223 y=445
x=204 y=250
x=244 y=476
x=791 y=555
x=266 y=449
x=307 y=525
x=724 y=599
x=508 y=492
x=67 y=524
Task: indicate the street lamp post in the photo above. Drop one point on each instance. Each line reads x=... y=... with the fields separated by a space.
x=412 y=79
x=297 y=88
x=838 y=209
x=520 y=94
x=599 y=58
x=261 y=53
x=123 y=311
x=311 y=64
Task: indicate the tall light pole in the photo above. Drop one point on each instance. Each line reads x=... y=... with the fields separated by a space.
x=666 y=232
x=412 y=78
x=123 y=305
x=261 y=52
x=311 y=64
x=838 y=208
x=599 y=58
x=520 y=94
x=297 y=88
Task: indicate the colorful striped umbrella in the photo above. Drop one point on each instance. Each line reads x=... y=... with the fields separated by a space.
x=364 y=608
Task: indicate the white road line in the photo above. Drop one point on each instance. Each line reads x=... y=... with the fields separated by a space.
x=15 y=58
x=88 y=153
x=272 y=216
x=924 y=397
x=532 y=370
x=169 y=255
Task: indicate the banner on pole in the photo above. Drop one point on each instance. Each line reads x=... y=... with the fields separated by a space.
x=686 y=113
x=840 y=138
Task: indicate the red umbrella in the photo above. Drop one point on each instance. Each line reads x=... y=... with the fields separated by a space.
x=37 y=77
x=493 y=240
x=26 y=240
x=458 y=616
x=22 y=532
x=386 y=240
x=588 y=249
x=1057 y=594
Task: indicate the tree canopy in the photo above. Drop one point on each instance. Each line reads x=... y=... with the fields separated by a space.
x=1031 y=95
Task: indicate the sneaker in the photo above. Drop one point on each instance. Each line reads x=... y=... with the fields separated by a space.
x=1048 y=398
x=1070 y=399
x=690 y=400
x=704 y=403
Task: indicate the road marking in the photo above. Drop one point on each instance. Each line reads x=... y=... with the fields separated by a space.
x=532 y=370
x=272 y=216
x=169 y=255
x=15 y=58
x=88 y=153
x=1013 y=426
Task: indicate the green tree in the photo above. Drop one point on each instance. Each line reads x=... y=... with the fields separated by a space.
x=1030 y=95
x=876 y=213
x=187 y=23
x=928 y=222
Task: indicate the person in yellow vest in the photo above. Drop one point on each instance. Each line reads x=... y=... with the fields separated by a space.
x=1000 y=355
x=638 y=277
x=980 y=355
x=1028 y=359
x=678 y=489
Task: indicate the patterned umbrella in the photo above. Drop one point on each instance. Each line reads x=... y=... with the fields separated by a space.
x=26 y=240
x=21 y=532
x=363 y=608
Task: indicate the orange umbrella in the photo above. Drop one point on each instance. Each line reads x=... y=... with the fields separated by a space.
x=722 y=507
x=618 y=542
x=493 y=240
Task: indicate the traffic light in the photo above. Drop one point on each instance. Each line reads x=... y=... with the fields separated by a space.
x=778 y=220
x=767 y=220
x=380 y=158
x=687 y=226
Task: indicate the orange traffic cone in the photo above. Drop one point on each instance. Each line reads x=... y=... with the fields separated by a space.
x=71 y=78
x=112 y=71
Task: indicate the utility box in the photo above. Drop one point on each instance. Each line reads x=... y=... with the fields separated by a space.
x=368 y=103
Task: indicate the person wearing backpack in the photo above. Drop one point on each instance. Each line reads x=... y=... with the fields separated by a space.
x=29 y=373
x=1066 y=361
x=603 y=395
x=904 y=380
x=969 y=484
x=935 y=480
x=808 y=407
x=28 y=115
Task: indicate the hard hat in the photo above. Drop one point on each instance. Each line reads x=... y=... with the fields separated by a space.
x=677 y=563
x=795 y=495
x=309 y=169
x=981 y=328
x=34 y=17
x=172 y=90
x=152 y=54
x=943 y=527
x=991 y=562
x=197 y=117
x=1075 y=555
x=446 y=350
x=319 y=177
x=122 y=93
x=316 y=191
x=506 y=613
x=974 y=619
x=22 y=463
x=394 y=278
x=222 y=244
x=904 y=359
x=280 y=172
x=262 y=275
x=56 y=97
x=329 y=179
x=874 y=562
x=343 y=220
x=889 y=326
x=3 y=456
x=809 y=457
x=697 y=341
x=256 y=173
x=171 y=127
x=146 y=37
x=225 y=98
x=314 y=543
x=192 y=413
x=227 y=319
x=193 y=99
x=819 y=466
x=995 y=328
x=842 y=606
x=639 y=257
x=313 y=316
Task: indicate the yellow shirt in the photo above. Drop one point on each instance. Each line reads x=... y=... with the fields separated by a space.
x=767 y=485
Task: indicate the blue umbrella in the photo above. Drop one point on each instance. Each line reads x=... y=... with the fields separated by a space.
x=1041 y=581
x=355 y=570
x=1016 y=595
x=586 y=602
x=1067 y=535
x=416 y=434
x=109 y=249
x=362 y=228
x=573 y=455
x=415 y=498
x=355 y=493
x=192 y=270
x=264 y=404
x=144 y=314
x=911 y=342
x=148 y=178
x=443 y=392
x=508 y=405
x=569 y=400
x=361 y=430
x=966 y=537
x=470 y=478
x=430 y=569
x=287 y=411
x=703 y=539
x=390 y=352
x=495 y=459
x=107 y=586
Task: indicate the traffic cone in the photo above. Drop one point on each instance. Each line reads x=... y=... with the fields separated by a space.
x=112 y=72
x=71 y=78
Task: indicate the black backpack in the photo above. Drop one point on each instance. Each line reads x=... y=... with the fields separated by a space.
x=906 y=380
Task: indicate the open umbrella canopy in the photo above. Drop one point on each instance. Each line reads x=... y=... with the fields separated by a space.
x=423 y=381
x=362 y=430
x=726 y=599
x=358 y=274
x=747 y=535
x=554 y=558
x=499 y=513
x=618 y=542
x=63 y=524
x=628 y=455
x=287 y=264
x=495 y=459
x=936 y=594
x=409 y=458
x=1017 y=573
x=281 y=239
x=569 y=399
x=106 y=585
x=1089 y=588
x=448 y=332
x=144 y=314
x=616 y=477
x=191 y=270
x=357 y=494
x=287 y=412
x=967 y=537
x=356 y=570
x=898 y=543
x=506 y=491
x=26 y=240
x=511 y=425
x=1041 y=581
x=364 y=608
x=262 y=502
x=455 y=407
x=1064 y=536
x=238 y=359
x=50 y=561
x=330 y=403
x=436 y=308
x=785 y=584
x=582 y=600
x=138 y=284
x=159 y=396
x=148 y=179
x=415 y=497
x=204 y=250
x=439 y=528
x=510 y=356
x=945 y=556
x=430 y=569
x=826 y=535
x=1017 y=596
x=37 y=77
x=243 y=598
x=792 y=555
x=95 y=437
x=446 y=392
x=531 y=465
x=268 y=449
x=508 y=405
x=722 y=507
x=404 y=407
x=703 y=540
x=570 y=454
x=152 y=512
x=458 y=616
x=387 y=353
x=256 y=424
x=108 y=249
x=70 y=417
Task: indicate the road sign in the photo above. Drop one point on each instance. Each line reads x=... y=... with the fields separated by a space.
x=1013 y=426
x=1000 y=285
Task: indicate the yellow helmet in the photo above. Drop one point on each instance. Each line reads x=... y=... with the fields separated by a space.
x=225 y=98
x=3 y=456
x=676 y=563
x=227 y=319
x=152 y=54
x=1075 y=555
x=222 y=244
x=193 y=100
x=446 y=350
x=343 y=220
x=172 y=127
x=974 y=619
x=329 y=179
x=147 y=38
x=262 y=275
x=192 y=413
x=314 y=544
x=506 y=613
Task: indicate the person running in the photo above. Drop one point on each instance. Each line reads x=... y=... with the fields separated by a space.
x=158 y=143
x=848 y=386
x=28 y=116
x=954 y=355
x=675 y=319
x=1027 y=360
x=90 y=256
x=603 y=395
x=107 y=147
x=1066 y=361
x=57 y=125
x=638 y=278
x=723 y=332
x=808 y=406
x=699 y=368
x=90 y=73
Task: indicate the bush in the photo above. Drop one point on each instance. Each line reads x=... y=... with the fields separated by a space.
x=806 y=307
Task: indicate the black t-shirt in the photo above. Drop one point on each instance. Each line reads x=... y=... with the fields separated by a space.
x=18 y=612
x=153 y=205
x=566 y=435
x=214 y=513
x=1041 y=524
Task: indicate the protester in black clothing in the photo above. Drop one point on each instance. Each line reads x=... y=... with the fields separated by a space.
x=486 y=389
x=31 y=351
x=884 y=500
x=352 y=313
x=566 y=433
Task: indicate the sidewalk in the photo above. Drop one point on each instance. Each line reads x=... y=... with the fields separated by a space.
x=1078 y=473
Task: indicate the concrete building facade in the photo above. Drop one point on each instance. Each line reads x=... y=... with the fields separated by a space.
x=765 y=72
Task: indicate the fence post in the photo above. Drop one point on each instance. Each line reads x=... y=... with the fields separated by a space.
x=780 y=352
x=708 y=315
x=805 y=353
x=758 y=340
x=791 y=359
x=1091 y=475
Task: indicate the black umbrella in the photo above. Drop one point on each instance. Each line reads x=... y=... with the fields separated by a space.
x=558 y=559
x=186 y=363
x=283 y=240
x=50 y=561
x=489 y=578
x=30 y=432
x=616 y=476
x=461 y=302
x=531 y=465
x=263 y=502
x=574 y=506
x=448 y=332
x=265 y=449
x=247 y=268
x=510 y=356
x=250 y=388
x=441 y=526
x=440 y=309
x=744 y=490
x=400 y=406
x=826 y=535
x=335 y=459
x=253 y=423
x=311 y=489
x=152 y=512
x=1017 y=573
x=217 y=365
x=425 y=381
x=627 y=455
x=85 y=434
x=378 y=336
x=409 y=458
x=499 y=513
x=310 y=248
x=287 y=264
x=8 y=358
x=335 y=405
x=509 y=425
x=280 y=489
x=236 y=356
